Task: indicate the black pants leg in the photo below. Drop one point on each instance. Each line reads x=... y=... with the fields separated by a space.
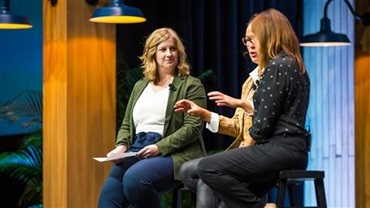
x=242 y=176
x=206 y=197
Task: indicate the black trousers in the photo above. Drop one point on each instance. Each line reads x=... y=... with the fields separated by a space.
x=206 y=197
x=241 y=177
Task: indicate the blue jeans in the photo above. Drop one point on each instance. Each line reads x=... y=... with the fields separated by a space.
x=138 y=182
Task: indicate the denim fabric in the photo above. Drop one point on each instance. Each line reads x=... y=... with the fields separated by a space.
x=143 y=139
x=138 y=182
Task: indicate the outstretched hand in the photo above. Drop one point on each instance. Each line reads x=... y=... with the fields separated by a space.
x=188 y=107
x=224 y=100
x=192 y=109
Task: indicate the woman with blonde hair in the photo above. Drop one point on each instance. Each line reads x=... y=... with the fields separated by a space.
x=162 y=139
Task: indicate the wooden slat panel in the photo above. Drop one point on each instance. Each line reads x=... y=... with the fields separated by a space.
x=79 y=103
x=362 y=112
x=55 y=108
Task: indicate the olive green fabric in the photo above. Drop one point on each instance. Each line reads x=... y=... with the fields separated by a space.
x=182 y=134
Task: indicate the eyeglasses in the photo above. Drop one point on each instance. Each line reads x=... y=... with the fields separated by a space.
x=246 y=39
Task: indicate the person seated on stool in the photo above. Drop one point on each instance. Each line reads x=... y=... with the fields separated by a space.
x=162 y=138
x=236 y=127
x=276 y=139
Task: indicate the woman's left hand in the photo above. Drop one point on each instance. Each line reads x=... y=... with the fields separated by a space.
x=148 y=151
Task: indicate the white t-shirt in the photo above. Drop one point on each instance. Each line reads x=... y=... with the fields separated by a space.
x=150 y=110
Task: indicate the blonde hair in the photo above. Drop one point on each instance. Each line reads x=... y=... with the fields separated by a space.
x=275 y=34
x=149 y=64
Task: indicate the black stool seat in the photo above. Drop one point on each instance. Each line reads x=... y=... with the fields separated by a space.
x=289 y=178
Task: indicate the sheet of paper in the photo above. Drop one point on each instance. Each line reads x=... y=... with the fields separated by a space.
x=115 y=156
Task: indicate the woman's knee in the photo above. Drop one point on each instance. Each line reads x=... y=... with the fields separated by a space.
x=207 y=171
x=203 y=164
x=189 y=174
x=133 y=182
x=188 y=170
x=117 y=172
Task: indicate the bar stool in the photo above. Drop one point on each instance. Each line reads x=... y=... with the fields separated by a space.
x=288 y=178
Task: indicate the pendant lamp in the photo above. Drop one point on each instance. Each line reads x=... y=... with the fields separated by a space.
x=9 y=20
x=326 y=37
x=117 y=13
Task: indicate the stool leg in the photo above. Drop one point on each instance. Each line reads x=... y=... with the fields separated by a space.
x=176 y=198
x=281 y=193
x=320 y=193
x=295 y=194
x=292 y=195
x=193 y=199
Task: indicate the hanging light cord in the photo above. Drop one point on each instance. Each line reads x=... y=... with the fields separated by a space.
x=365 y=19
x=4 y=6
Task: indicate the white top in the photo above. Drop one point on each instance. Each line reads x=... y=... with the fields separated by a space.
x=213 y=124
x=150 y=110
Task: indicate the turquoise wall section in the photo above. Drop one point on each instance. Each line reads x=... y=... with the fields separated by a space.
x=21 y=57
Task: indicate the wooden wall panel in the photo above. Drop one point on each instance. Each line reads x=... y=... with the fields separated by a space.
x=79 y=103
x=55 y=109
x=362 y=112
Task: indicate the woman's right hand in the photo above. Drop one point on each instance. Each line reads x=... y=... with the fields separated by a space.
x=118 y=149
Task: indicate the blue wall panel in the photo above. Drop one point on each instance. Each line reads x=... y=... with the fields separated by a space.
x=331 y=111
x=21 y=58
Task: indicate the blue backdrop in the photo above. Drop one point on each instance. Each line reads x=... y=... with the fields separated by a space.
x=21 y=58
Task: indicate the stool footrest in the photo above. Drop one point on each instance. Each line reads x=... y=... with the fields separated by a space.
x=304 y=174
x=288 y=178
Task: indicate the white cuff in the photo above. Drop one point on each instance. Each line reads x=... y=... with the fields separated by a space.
x=213 y=123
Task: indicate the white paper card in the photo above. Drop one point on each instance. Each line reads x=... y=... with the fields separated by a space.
x=115 y=156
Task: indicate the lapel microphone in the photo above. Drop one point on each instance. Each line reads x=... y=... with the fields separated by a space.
x=172 y=87
x=255 y=84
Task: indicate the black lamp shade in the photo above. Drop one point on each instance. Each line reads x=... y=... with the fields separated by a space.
x=11 y=21
x=117 y=12
x=325 y=39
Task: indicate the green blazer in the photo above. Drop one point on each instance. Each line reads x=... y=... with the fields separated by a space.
x=182 y=134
